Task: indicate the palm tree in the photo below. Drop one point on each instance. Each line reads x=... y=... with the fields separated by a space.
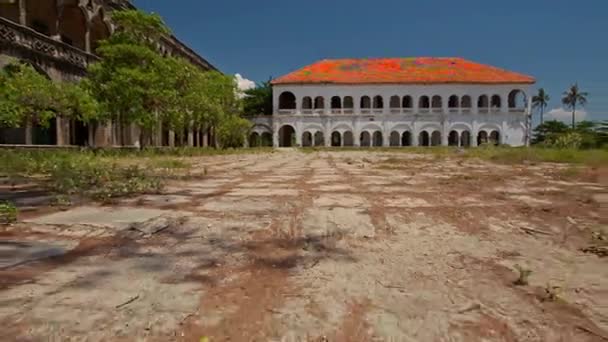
x=540 y=101
x=574 y=96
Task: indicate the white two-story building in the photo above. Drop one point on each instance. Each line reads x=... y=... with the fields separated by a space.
x=396 y=102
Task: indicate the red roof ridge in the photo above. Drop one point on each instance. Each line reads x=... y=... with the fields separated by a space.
x=402 y=70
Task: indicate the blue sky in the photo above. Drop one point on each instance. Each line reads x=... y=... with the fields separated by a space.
x=557 y=41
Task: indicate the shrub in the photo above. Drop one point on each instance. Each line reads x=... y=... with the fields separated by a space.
x=524 y=274
x=8 y=213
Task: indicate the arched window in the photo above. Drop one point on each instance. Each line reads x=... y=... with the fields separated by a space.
x=517 y=100
x=465 y=139
x=465 y=102
x=287 y=101
x=453 y=102
x=378 y=102
x=99 y=30
x=72 y=26
x=319 y=102
x=336 y=105
x=436 y=138
x=424 y=102
x=483 y=103
x=366 y=103
x=407 y=102
x=348 y=105
x=395 y=139
x=307 y=103
x=406 y=139
x=395 y=103
x=287 y=136
x=365 y=140
x=496 y=102
x=336 y=139
x=348 y=139
x=437 y=103
x=424 y=139
x=453 y=138
x=319 y=139
x=495 y=138
x=307 y=139
x=377 y=139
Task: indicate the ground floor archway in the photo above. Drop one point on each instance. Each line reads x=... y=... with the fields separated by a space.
x=424 y=139
x=377 y=139
x=254 y=140
x=495 y=137
x=287 y=136
x=395 y=139
x=306 y=139
x=336 y=139
x=465 y=139
x=482 y=138
x=453 y=139
x=365 y=139
x=319 y=139
x=436 y=138
x=406 y=139
x=348 y=139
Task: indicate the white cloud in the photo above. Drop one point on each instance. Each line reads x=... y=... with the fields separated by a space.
x=565 y=115
x=243 y=84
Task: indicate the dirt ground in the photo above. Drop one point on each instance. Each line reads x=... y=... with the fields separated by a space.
x=325 y=246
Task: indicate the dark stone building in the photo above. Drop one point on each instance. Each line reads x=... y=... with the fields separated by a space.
x=58 y=38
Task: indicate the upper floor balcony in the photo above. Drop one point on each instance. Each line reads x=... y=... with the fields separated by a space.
x=22 y=37
x=290 y=104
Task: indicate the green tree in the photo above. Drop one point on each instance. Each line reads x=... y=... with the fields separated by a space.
x=131 y=82
x=232 y=131
x=27 y=96
x=258 y=101
x=573 y=97
x=540 y=101
x=548 y=131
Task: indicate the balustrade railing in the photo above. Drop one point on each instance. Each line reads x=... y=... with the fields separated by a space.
x=18 y=36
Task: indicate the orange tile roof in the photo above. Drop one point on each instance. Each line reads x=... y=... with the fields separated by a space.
x=419 y=70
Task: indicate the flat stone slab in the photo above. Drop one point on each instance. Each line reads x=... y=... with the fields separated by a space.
x=102 y=217
x=337 y=221
x=14 y=253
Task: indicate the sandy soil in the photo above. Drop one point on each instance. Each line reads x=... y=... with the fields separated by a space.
x=329 y=246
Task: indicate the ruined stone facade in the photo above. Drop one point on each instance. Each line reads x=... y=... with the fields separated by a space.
x=58 y=38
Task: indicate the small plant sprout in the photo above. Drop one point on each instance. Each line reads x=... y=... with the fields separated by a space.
x=524 y=274
x=8 y=213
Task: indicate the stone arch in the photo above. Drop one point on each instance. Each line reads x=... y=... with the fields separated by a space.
x=453 y=138
x=306 y=139
x=437 y=102
x=377 y=139
x=517 y=99
x=436 y=138
x=336 y=102
x=424 y=139
x=287 y=101
x=319 y=138
x=313 y=128
x=261 y=128
x=482 y=138
x=100 y=29
x=483 y=102
x=366 y=102
x=424 y=102
x=365 y=139
x=465 y=102
x=395 y=102
x=378 y=102
x=349 y=105
x=73 y=25
x=395 y=139
x=266 y=139
x=406 y=138
x=465 y=139
x=341 y=127
x=307 y=103
x=254 y=139
x=496 y=101
x=336 y=139
x=287 y=135
x=348 y=139
x=494 y=137
x=453 y=102
x=42 y=16
x=319 y=102
x=407 y=102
